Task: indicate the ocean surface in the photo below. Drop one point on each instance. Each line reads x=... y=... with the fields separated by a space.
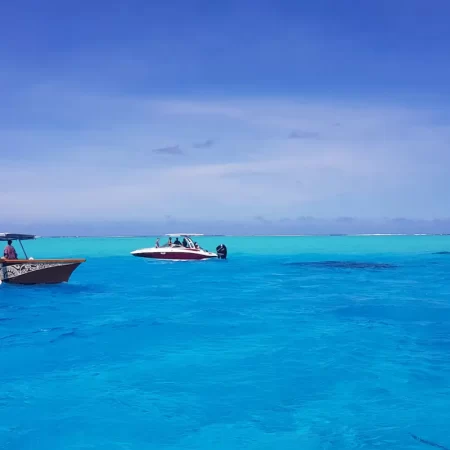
x=292 y=343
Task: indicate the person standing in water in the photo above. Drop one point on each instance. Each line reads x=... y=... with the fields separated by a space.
x=221 y=251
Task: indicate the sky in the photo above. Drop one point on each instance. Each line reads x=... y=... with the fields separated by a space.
x=130 y=117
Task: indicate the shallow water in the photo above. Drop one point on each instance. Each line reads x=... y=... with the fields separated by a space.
x=292 y=343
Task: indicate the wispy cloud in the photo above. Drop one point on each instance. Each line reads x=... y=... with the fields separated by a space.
x=368 y=166
x=304 y=135
x=261 y=219
x=345 y=219
x=205 y=144
x=173 y=150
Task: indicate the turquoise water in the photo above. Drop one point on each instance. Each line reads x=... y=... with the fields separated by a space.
x=292 y=343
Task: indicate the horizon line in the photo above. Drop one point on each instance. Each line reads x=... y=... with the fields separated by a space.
x=245 y=235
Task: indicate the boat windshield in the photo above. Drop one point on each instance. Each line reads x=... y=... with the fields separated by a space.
x=179 y=241
x=189 y=243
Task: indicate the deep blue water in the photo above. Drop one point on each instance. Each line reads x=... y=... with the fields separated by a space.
x=275 y=348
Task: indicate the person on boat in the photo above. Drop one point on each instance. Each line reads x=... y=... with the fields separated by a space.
x=169 y=242
x=157 y=243
x=10 y=251
x=197 y=246
x=185 y=243
x=177 y=242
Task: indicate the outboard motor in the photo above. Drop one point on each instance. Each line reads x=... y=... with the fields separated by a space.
x=221 y=251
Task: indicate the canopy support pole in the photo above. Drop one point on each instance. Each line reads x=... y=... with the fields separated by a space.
x=24 y=252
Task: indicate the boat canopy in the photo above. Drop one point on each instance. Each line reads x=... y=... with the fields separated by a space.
x=16 y=237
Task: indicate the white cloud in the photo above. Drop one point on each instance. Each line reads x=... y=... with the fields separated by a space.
x=96 y=160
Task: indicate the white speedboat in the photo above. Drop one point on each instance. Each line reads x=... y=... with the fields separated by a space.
x=176 y=249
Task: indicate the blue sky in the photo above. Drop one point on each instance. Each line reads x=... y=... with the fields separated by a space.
x=240 y=115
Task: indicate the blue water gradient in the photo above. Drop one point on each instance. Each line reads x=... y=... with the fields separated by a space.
x=292 y=343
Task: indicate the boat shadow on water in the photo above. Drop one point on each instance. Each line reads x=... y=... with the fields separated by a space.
x=356 y=265
x=427 y=442
x=66 y=288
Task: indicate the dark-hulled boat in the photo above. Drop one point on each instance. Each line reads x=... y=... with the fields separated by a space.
x=34 y=271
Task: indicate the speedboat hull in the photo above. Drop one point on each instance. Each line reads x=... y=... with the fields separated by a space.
x=38 y=271
x=174 y=254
